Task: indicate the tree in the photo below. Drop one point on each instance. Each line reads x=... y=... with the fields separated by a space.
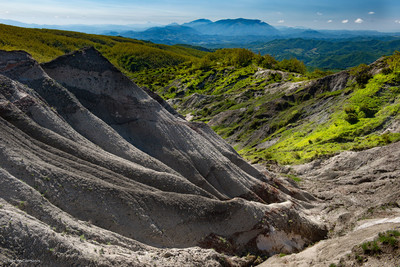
x=242 y=57
x=293 y=65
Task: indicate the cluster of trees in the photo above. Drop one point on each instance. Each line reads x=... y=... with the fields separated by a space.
x=240 y=57
x=138 y=57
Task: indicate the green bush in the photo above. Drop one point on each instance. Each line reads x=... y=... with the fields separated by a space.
x=351 y=115
x=292 y=65
x=361 y=74
x=371 y=247
x=389 y=238
x=267 y=62
x=394 y=62
x=368 y=109
x=242 y=57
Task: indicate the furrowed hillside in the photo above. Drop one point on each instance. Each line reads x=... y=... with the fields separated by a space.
x=95 y=172
x=127 y=54
x=274 y=111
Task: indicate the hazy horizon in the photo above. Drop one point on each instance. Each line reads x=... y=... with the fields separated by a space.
x=381 y=15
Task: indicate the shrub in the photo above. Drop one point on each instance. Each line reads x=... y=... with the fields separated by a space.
x=389 y=238
x=267 y=62
x=205 y=63
x=394 y=62
x=292 y=65
x=351 y=115
x=371 y=247
x=368 y=110
x=242 y=57
x=361 y=74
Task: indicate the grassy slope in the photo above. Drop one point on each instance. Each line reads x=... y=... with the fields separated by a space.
x=309 y=141
x=127 y=54
x=261 y=109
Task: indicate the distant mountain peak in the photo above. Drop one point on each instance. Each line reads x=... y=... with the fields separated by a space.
x=234 y=27
x=241 y=20
x=201 y=20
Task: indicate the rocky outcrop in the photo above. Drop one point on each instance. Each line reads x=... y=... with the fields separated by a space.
x=87 y=158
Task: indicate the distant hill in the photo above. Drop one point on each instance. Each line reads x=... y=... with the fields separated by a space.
x=170 y=34
x=234 y=27
x=204 y=31
x=329 y=53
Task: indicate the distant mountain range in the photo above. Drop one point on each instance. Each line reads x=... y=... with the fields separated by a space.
x=224 y=33
x=92 y=29
x=207 y=33
x=204 y=32
x=233 y=27
x=328 y=49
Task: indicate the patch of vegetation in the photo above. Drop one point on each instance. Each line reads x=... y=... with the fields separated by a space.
x=387 y=243
x=390 y=237
x=294 y=178
x=371 y=247
x=82 y=237
x=21 y=205
x=127 y=54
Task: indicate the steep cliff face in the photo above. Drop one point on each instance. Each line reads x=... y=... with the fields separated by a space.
x=91 y=158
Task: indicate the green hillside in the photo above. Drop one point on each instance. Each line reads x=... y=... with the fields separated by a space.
x=330 y=53
x=127 y=54
x=271 y=115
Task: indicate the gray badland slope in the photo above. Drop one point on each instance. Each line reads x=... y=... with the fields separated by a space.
x=89 y=158
x=361 y=193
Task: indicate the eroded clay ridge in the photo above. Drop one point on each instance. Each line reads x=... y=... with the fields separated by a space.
x=87 y=158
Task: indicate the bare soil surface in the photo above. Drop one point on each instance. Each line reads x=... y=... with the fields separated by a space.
x=361 y=198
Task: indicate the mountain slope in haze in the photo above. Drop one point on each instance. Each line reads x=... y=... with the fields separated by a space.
x=88 y=159
x=233 y=27
x=329 y=53
x=206 y=32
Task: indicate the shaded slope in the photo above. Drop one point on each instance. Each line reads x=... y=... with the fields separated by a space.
x=99 y=149
x=145 y=124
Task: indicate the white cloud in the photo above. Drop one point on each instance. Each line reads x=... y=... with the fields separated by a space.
x=397 y=21
x=330 y=21
x=345 y=21
x=371 y=13
x=319 y=14
x=359 y=21
x=281 y=21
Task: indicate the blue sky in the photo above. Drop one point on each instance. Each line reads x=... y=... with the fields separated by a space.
x=383 y=15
